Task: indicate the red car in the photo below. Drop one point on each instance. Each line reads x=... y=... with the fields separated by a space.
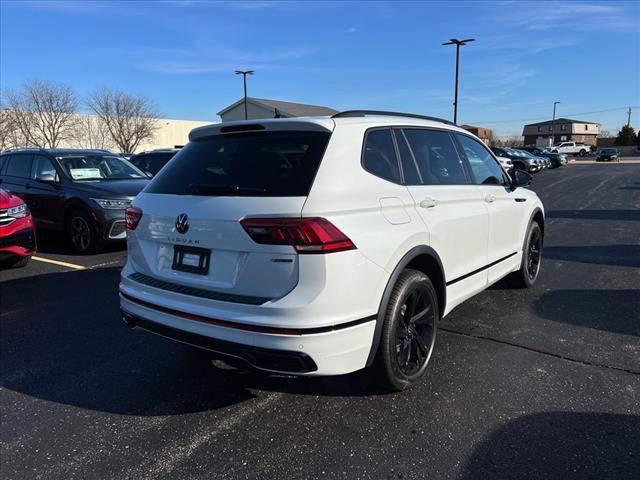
x=17 y=231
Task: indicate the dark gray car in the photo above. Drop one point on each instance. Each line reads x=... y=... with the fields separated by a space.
x=83 y=193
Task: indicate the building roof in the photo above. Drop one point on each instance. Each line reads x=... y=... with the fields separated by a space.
x=560 y=120
x=285 y=108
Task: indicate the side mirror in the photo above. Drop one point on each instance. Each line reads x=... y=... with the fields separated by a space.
x=520 y=178
x=46 y=178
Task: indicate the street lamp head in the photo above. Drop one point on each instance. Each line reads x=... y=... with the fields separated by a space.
x=455 y=41
x=245 y=72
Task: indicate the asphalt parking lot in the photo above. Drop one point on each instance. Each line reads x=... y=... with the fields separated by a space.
x=542 y=383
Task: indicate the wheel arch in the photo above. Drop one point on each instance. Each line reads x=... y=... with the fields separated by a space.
x=72 y=205
x=424 y=259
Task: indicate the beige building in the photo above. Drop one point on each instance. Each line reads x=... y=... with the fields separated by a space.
x=169 y=133
x=562 y=130
x=264 y=108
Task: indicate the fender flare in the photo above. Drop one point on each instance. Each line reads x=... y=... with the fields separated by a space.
x=404 y=261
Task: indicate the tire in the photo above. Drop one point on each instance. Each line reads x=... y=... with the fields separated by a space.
x=582 y=153
x=531 y=258
x=81 y=233
x=18 y=262
x=405 y=349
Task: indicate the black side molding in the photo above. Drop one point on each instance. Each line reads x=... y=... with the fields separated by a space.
x=470 y=274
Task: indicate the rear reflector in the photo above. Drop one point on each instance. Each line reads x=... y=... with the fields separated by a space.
x=132 y=216
x=306 y=235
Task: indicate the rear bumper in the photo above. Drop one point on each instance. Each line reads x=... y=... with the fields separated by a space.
x=261 y=358
x=334 y=350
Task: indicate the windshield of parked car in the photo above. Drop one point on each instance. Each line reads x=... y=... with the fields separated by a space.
x=92 y=167
x=608 y=150
x=519 y=153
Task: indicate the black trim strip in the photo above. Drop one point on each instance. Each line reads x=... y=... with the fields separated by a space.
x=480 y=269
x=195 y=292
x=245 y=326
x=520 y=199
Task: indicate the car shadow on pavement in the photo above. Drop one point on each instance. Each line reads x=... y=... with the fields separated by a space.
x=55 y=243
x=560 y=445
x=608 y=310
x=630 y=215
x=63 y=340
x=617 y=255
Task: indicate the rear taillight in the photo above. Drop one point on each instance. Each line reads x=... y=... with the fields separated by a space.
x=132 y=216
x=306 y=235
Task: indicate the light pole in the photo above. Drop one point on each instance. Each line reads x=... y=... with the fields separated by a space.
x=458 y=44
x=553 y=125
x=244 y=74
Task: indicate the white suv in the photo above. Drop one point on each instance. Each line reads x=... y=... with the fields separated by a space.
x=321 y=246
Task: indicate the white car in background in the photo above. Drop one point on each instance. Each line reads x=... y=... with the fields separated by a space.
x=324 y=245
x=571 y=148
x=506 y=163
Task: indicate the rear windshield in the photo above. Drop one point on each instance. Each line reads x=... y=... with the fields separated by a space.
x=268 y=164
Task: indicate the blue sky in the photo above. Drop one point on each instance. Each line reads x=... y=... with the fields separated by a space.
x=377 y=55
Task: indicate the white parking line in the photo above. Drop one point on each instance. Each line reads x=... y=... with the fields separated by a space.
x=57 y=262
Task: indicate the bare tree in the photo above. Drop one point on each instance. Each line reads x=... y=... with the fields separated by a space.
x=129 y=119
x=43 y=113
x=91 y=132
x=606 y=134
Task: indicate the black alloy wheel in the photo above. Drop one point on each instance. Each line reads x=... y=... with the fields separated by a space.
x=408 y=332
x=527 y=275
x=415 y=332
x=81 y=232
x=534 y=253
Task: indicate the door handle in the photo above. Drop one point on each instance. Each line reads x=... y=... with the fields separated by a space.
x=428 y=203
x=489 y=199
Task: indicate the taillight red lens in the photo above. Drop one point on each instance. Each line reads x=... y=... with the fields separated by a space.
x=306 y=235
x=132 y=216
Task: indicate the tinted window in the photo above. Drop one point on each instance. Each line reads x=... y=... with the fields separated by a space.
x=484 y=168
x=42 y=166
x=436 y=157
x=152 y=162
x=3 y=160
x=380 y=155
x=19 y=166
x=272 y=164
x=409 y=167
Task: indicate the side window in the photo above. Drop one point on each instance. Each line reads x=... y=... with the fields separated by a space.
x=42 y=166
x=19 y=166
x=3 y=162
x=436 y=156
x=484 y=167
x=380 y=155
x=409 y=165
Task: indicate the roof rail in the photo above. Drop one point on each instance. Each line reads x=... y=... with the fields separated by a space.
x=22 y=149
x=362 y=113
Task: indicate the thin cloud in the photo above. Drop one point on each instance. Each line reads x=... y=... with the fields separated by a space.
x=543 y=16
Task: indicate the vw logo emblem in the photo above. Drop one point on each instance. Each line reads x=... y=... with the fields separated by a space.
x=182 y=223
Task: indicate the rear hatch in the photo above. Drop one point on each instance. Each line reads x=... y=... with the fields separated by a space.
x=190 y=232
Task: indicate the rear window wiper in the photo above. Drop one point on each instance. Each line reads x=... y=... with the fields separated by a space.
x=213 y=189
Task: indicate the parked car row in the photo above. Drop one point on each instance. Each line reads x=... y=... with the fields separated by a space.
x=530 y=159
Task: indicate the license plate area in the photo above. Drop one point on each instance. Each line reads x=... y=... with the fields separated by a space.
x=191 y=259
